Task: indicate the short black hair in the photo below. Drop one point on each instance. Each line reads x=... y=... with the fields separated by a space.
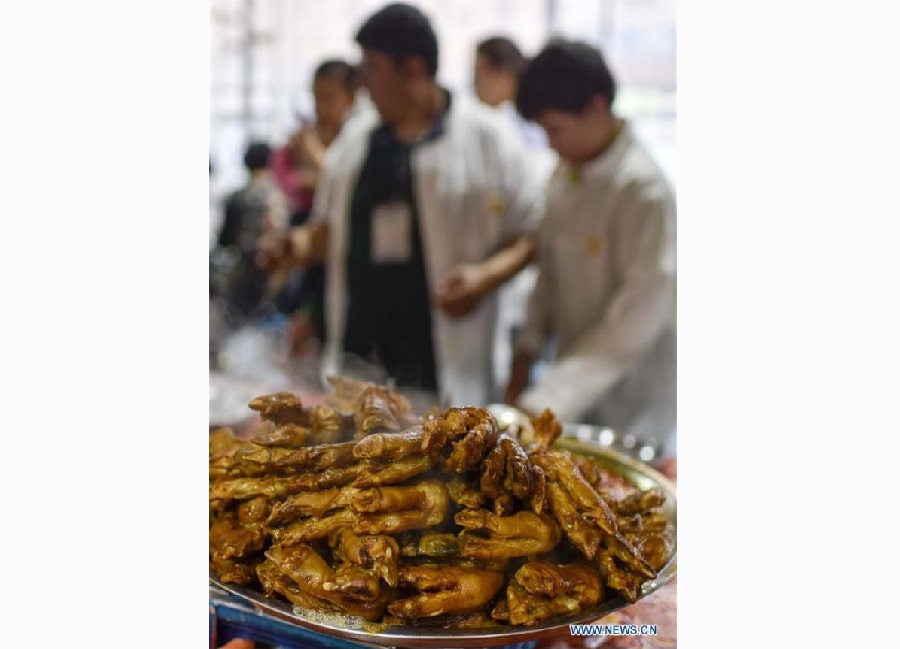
x=336 y=69
x=402 y=31
x=564 y=76
x=502 y=54
x=257 y=156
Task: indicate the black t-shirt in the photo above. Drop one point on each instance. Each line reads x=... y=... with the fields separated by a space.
x=389 y=313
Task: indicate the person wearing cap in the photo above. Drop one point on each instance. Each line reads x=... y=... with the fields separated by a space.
x=424 y=208
x=606 y=258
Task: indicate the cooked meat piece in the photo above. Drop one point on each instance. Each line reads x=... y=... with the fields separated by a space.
x=501 y=611
x=464 y=494
x=622 y=550
x=396 y=522
x=354 y=582
x=273 y=581
x=640 y=501
x=303 y=565
x=390 y=445
x=527 y=609
x=379 y=553
x=655 y=548
x=469 y=432
x=560 y=469
x=312 y=503
x=626 y=583
x=382 y=472
x=573 y=580
x=438 y=545
x=445 y=590
x=254 y=511
x=234 y=571
x=379 y=410
x=286 y=436
x=539 y=501
x=224 y=448
x=652 y=520
x=507 y=471
x=310 y=572
x=325 y=456
x=520 y=535
x=481 y=437
x=583 y=533
x=546 y=428
x=310 y=529
x=273 y=486
x=228 y=539
x=389 y=510
x=281 y=408
x=427 y=497
x=222 y=440
x=329 y=424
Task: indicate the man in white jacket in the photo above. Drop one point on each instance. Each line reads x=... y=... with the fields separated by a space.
x=606 y=257
x=423 y=210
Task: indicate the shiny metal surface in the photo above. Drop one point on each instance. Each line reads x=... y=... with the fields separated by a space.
x=645 y=449
x=579 y=439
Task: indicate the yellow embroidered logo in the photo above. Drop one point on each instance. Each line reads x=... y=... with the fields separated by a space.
x=496 y=204
x=594 y=244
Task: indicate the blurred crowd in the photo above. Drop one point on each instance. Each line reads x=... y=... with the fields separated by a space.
x=517 y=248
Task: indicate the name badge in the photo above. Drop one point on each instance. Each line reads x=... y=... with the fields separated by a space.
x=391 y=233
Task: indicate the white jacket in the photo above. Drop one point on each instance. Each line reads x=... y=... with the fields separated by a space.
x=606 y=289
x=476 y=192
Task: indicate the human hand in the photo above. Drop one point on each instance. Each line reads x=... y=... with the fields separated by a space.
x=273 y=250
x=461 y=291
x=300 y=245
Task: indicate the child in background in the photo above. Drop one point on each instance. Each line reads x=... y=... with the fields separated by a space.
x=297 y=167
x=254 y=210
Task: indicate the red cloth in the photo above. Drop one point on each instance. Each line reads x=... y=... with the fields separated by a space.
x=290 y=180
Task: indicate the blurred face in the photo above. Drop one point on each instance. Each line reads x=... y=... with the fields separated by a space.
x=576 y=136
x=387 y=83
x=332 y=101
x=491 y=85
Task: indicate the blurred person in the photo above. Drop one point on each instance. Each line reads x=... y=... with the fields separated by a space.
x=297 y=167
x=362 y=103
x=254 y=210
x=498 y=65
x=424 y=208
x=606 y=258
